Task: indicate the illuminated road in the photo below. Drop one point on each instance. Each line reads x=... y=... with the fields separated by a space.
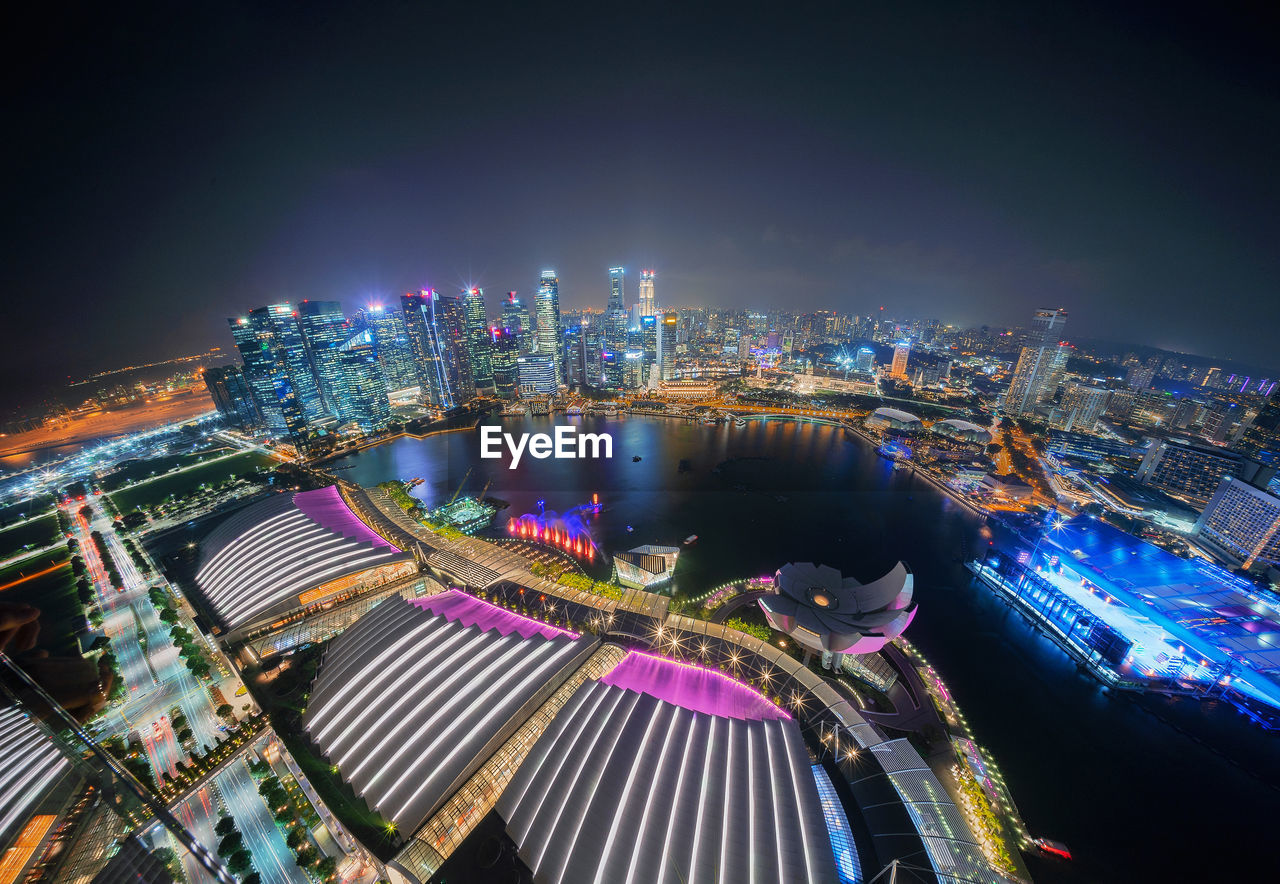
x=157 y=680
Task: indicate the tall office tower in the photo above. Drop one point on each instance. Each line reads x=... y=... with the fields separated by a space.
x=616 y=321
x=362 y=398
x=516 y=320
x=546 y=304
x=648 y=303
x=865 y=360
x=1039 y=365
x=1139 y=377
x=649 y=326
x=537 y=374
x=478 y=341
x=231 y=396
x=395 y=356
x=571 y=344
x=667 y=345
x=506 y=370
x=276 y=368
x=437 y=336
x=1261 y=437
x=1080 y=407
x=324 y=330
x=1186 y=413
x=901 y=352
x=1241 y=524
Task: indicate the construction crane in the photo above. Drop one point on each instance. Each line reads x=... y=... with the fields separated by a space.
x=460 y=484
x=480 y=498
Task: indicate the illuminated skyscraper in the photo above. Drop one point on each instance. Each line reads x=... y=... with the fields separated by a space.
x=1040 y=365
x=901 y=352
x=324 y=330
x=615 y=330
x=277 y=369
x=506 y=370
x=515 y=319
x=395 y=357
x=231 y=396
x=1261 y=438
x=547 y=306
x=478 y=340
x=648 y=303
x=1080 y=407
x=649 y=326
x=865 y=360
x=667 y=345
x=437 y=336
x=362 y=391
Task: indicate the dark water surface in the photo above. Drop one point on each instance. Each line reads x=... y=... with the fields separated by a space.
x=1139 y=789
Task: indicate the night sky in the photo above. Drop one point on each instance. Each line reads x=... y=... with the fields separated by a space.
x=166 y=171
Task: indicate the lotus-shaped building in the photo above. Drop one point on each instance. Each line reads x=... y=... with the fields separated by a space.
x=825 y=611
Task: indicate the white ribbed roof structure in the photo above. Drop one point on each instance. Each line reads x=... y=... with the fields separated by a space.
x=414 y=697
x=825 y=611
x=627 y=787
x=968 y=431
x=263 y=557
x=30 y=764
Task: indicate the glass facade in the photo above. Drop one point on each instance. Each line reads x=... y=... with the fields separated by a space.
x=547 y=305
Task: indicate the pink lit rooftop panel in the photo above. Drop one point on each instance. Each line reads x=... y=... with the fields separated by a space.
x=454 y=604
x=326 y=508
x=691 y=687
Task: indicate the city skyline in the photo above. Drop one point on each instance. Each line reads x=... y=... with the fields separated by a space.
x=888 y=169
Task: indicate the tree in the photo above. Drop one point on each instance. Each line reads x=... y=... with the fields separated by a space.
x=284 y=815
x=224 y=710
x=240 y=862
x=251 y=878
x=230 y=844
x=225 y=826
x=326 y=867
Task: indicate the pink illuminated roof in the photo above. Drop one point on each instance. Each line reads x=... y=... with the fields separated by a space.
x=326 y=508
x=454 y=604
x=691 y=687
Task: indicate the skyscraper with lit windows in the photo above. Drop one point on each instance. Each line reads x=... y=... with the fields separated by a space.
x=547 y=306
x=478 y=340
x=395 y=358
x=1040 y=365
x=648 y=303
x=436 y=325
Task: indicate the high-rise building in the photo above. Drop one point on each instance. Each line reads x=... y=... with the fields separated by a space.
x=1261 y=437
x=324 y=330
x=478 y=340
x=395 y=356
x=1079 y=408
x=1241 y=524
x=865 y=360
x=362 y=390
x=1139 y=377
x=1193 y=472
x=436 y=325
x=616 y=321
x=901 y=353
x=277 y=370
x=506 y=370
x=538 y=374
x=516 y=320
x=667 y=334
x=546 y=305
x=231 y=396
x=648 y=303
x=1040 y=364
x=649 y=326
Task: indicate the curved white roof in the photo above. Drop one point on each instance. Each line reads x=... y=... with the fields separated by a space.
x=626 y=787
x=409 y=703
x=264 y=556
x=895 y=414
x=29 y=765
x=962 y=428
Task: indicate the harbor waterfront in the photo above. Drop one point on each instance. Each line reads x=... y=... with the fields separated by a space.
x=1107 y=775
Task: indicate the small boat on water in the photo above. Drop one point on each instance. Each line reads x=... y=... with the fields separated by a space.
x=415 y=482
x=636 y=459
x=1053 y=848
x=630 y=529
x=691 y=539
